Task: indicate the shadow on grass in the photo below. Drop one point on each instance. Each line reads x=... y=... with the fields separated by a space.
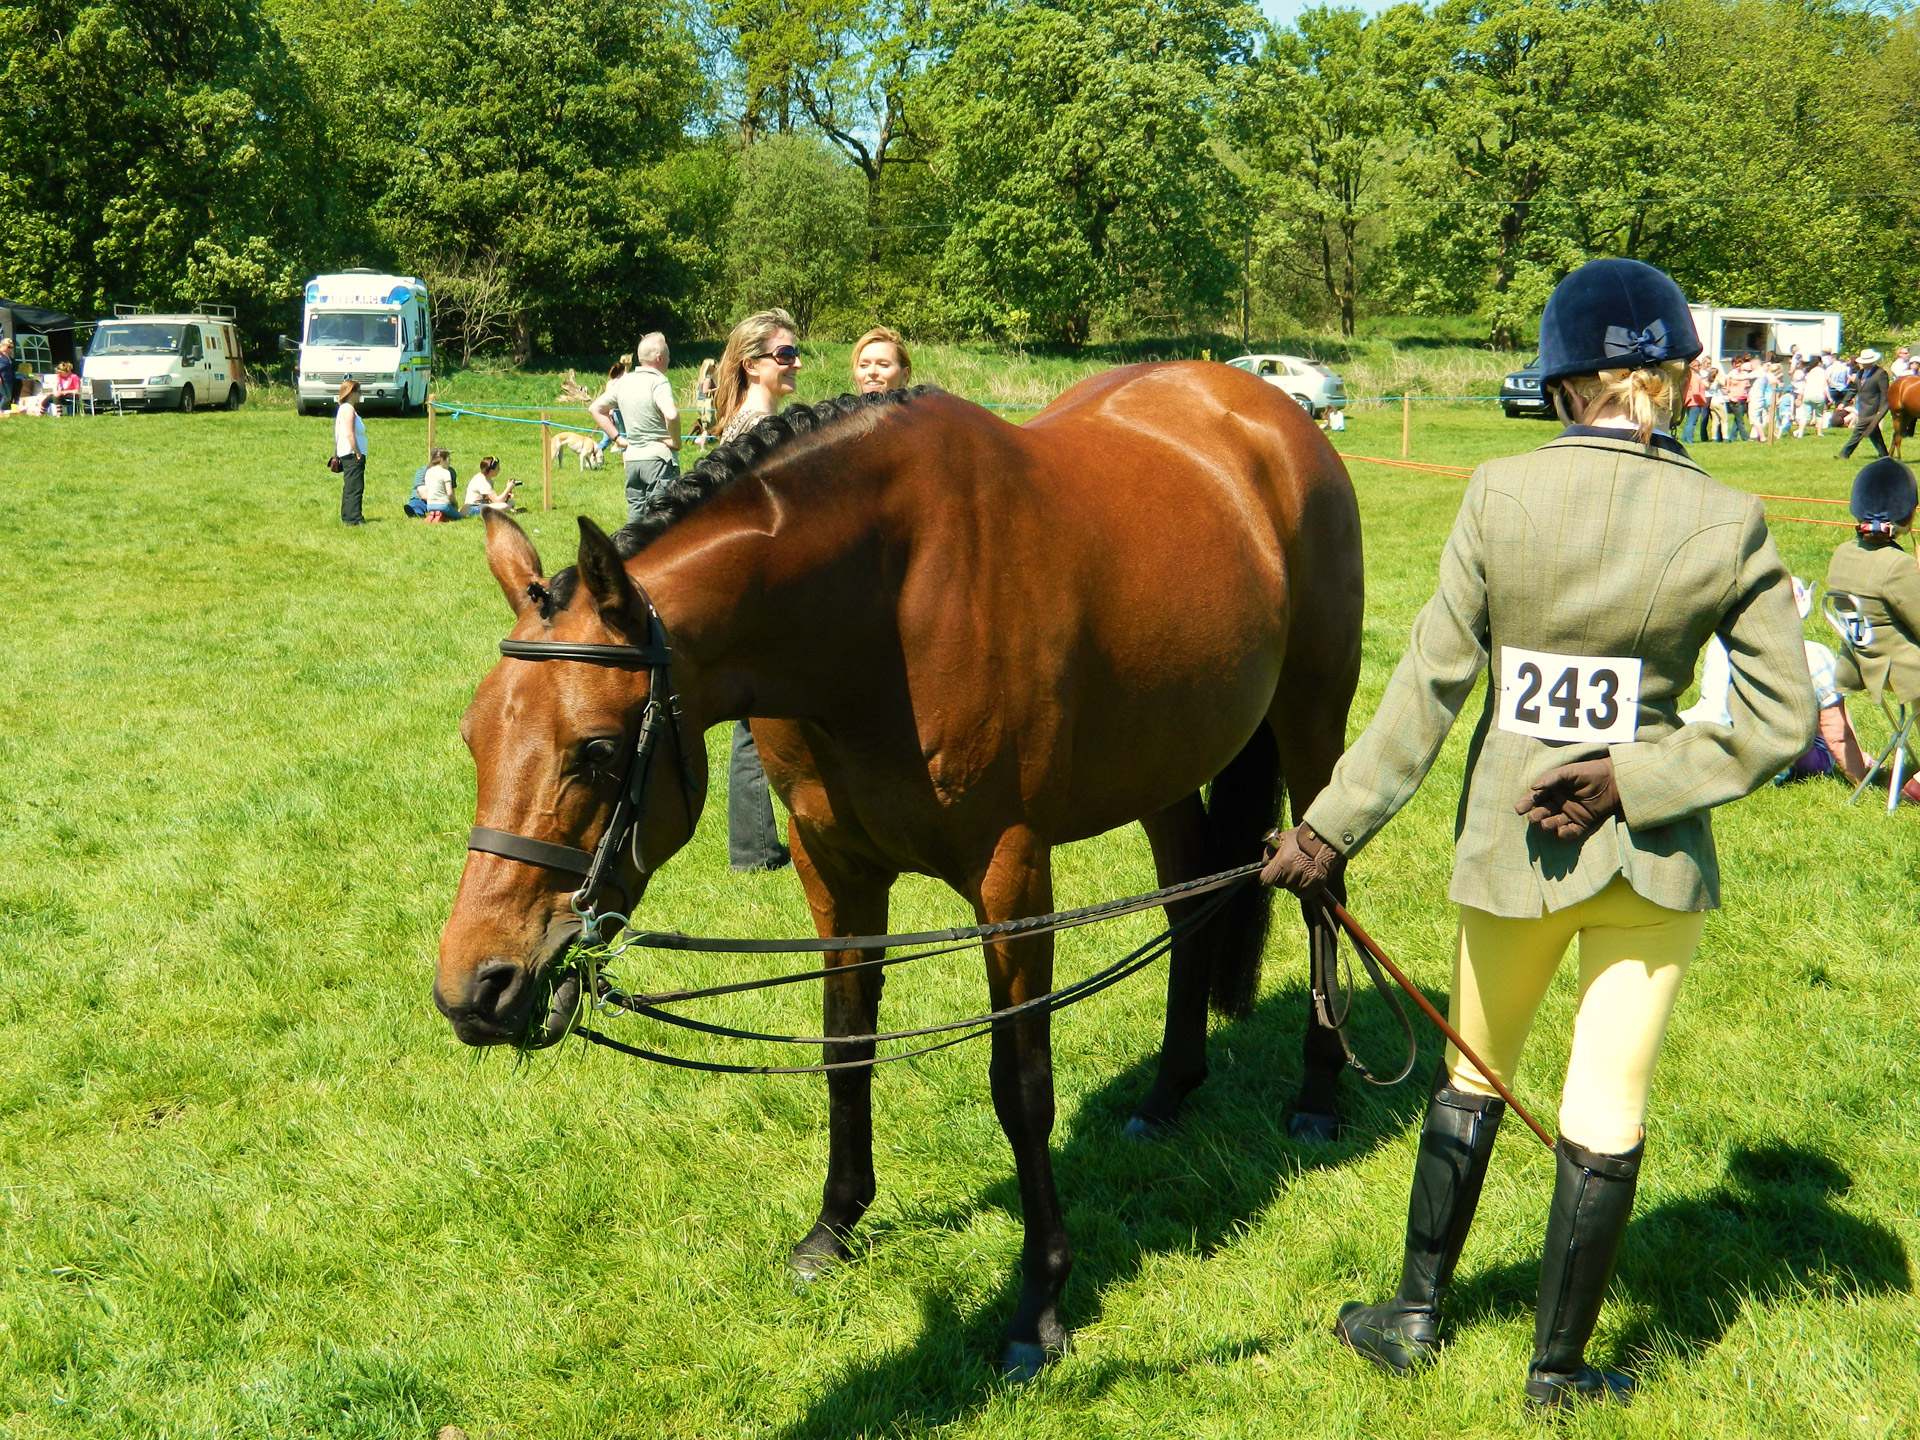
x=1768 y=1231
x=1190 y=1193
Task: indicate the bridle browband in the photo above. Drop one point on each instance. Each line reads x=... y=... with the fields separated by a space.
x=594 y=864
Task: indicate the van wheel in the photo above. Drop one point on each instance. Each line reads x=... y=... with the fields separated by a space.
x=300 y=407
x=186 y=399
x=236 y=396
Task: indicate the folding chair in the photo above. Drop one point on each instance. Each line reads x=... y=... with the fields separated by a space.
x=1850 y=623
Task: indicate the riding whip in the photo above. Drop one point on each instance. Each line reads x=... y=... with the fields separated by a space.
x=1366 y=942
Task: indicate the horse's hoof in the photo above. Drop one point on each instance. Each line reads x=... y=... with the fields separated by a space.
x=1022 y=1360
x=810 y=1261
x=1143 y=1131
x=1314 y=1129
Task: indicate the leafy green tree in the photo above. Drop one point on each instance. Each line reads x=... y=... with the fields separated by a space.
x=1320 y=118
x=1076 y=153
x=1532 y=113
x=851 y=69
x=798 y=227
x=157 y=152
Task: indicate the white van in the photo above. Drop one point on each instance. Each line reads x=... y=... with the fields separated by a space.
x=143 y=360
x=363 y=326
x=1727 y=331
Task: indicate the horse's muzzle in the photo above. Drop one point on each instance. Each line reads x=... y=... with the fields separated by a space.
x=494 y=1002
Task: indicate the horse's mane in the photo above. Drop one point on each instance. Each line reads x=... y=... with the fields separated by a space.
x=740 y=457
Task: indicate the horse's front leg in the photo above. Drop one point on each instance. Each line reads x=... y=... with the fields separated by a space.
x=1018 y=883
x=847 y=898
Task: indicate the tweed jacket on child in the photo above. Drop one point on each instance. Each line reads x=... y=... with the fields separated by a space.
x=1590 y=546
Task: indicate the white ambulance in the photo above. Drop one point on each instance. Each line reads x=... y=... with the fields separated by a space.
x=142 y=360
x=365 y=326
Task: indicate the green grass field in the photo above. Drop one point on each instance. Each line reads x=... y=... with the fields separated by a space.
x=250 y=1185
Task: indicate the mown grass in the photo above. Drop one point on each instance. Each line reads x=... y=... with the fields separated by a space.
x=250 y=1185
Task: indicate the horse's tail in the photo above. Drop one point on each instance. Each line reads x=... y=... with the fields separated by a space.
x=1243 y=804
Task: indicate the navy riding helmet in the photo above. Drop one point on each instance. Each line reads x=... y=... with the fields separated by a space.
x=1614 y=315
x=1884 y=495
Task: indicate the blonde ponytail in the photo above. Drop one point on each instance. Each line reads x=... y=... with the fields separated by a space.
x=1649 y=397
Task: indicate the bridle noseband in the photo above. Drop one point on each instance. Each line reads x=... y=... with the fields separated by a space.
x=594 y=865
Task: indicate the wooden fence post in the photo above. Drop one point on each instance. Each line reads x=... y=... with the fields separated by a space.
x=429 y=427
x=546 y=462
x=1406 y=423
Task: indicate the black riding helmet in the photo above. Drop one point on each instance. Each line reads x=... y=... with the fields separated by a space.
x=1884 y=495
x=1614 y=315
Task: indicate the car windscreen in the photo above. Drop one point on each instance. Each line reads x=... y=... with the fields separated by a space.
x=136 y=339
x=351 y=330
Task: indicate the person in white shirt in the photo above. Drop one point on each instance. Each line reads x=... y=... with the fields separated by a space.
x=482 y=496
x=1902 y=363
x=433 y=495
x=1813 y=400
x=650 y=421
x=350 y=446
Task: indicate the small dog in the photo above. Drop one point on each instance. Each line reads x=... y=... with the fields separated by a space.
x=583 y=446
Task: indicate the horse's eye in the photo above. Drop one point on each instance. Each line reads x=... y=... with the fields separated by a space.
x=599 y=754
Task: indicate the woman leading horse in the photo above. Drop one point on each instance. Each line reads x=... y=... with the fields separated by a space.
x=961 y=643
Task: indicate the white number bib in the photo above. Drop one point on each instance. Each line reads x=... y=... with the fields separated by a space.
x=1589 y=698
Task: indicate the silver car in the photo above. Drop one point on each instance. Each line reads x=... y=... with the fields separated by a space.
x=1317 y=388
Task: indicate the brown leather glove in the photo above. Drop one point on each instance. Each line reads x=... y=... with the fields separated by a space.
x=1301 y=861
x=1570 y=802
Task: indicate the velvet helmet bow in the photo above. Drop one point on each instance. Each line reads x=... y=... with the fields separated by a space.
x=1884 y=496
x=1614 y=315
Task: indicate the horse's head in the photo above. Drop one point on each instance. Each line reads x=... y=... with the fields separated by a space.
x=555 y=741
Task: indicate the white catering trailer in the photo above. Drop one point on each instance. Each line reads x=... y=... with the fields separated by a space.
x=365 y=326
x=1732 y=330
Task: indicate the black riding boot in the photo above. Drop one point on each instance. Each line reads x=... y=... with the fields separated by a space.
x=1592 y=1198
x=1455 y=1145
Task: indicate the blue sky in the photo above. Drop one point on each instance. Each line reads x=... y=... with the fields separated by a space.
x=1284 y=10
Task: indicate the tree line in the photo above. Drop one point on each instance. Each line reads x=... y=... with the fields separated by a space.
x=566 y=173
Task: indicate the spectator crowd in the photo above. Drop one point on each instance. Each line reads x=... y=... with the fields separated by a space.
x=1750 y=397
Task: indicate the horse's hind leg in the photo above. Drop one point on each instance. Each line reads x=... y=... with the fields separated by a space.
x=1311 y=729
x=846 y=899
x=1178 y=835
x=1018 y=883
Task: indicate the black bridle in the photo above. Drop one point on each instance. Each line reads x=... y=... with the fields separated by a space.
x=660 y=713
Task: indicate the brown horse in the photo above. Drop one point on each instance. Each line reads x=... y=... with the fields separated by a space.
x=962 y=643
x=1903 y=403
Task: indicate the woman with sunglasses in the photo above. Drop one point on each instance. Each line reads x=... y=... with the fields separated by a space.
x=755 y=376
x=756 y=372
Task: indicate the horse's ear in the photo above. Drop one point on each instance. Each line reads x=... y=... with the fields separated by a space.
x=605 y=577
x=513 y=560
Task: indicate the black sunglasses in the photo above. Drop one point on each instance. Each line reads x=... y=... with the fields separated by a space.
x=785 y=354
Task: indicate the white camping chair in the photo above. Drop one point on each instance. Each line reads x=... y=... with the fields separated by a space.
x=1855 y=630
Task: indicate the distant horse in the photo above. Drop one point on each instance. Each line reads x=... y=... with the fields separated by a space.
x=962 y=643
x=1903 y=403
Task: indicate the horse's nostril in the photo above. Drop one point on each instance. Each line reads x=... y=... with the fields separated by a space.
x=496 y=989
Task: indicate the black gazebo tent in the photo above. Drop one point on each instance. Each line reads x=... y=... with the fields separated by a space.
x=17 y=320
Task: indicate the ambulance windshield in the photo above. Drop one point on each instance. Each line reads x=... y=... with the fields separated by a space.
x=350 y=330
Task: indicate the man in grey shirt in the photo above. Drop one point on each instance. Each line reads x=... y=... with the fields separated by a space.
x=644 y=398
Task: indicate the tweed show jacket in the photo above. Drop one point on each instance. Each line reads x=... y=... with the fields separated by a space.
x=1588 y=547
x=1886 y=582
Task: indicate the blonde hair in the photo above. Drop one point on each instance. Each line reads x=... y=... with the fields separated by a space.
x=1649 y=397
x=747 y=342
x=890 y=336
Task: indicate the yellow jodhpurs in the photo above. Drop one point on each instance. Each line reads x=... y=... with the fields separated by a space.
x=1633 y=954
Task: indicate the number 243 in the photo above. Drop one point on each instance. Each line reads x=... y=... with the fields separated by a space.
x=1565 y=697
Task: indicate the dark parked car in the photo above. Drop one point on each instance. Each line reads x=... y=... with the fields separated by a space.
x=1520 y=393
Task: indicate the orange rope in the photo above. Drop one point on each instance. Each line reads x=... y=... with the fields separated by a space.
x=1453 y=470
x=1803 y=520
x=1803 y=499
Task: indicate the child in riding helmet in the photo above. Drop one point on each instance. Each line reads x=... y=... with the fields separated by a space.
x=1585 y=577
x=1884 y=580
